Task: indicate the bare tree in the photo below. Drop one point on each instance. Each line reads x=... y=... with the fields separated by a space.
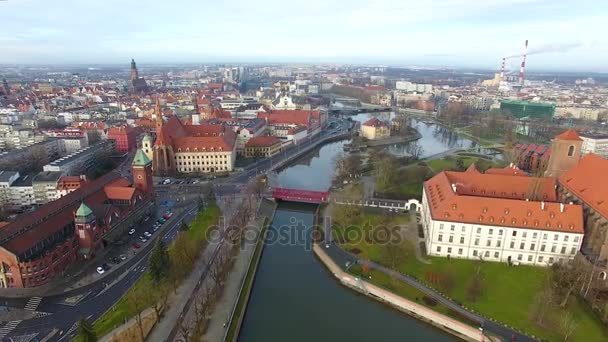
x=567 y=277
x=567 y=325
x=137 y=300
x=543 y=303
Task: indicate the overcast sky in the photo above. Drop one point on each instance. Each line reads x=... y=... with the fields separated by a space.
x=459 y=33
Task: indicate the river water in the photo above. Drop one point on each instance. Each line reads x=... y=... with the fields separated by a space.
x=294 y=298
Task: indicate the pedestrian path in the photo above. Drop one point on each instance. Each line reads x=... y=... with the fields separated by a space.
x=7 y=328
x=33 y=303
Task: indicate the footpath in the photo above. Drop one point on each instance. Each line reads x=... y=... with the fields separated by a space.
x=443 y=322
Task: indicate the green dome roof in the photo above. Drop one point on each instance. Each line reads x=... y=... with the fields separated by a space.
x=147 y=137
x=83 y=210
x=140 y=158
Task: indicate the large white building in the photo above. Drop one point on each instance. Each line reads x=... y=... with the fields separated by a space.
x=491 y=217
x=595 y=143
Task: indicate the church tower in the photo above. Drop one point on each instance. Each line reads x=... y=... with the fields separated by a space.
x=87 y=232
x=142 y=173
x=196 y=117
x=565 y=153
x=134 y=74
x=162 y=152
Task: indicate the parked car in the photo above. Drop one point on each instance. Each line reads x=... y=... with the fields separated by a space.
x=136 y=245
x=147 y=218
x=168 y=213
x=105 y=267
x=100 y=270
x=143 y=239
x=147 y=234
x=132 y=231
x=123 y=257
x=162 y=220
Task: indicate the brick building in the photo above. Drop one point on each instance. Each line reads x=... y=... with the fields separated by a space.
x=126 y=137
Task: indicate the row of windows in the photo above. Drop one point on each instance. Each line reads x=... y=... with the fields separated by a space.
x=205 y=156
x=203 y=163
x=522 y=245
x=523 y=235
x=203 y=169
x=487 y=254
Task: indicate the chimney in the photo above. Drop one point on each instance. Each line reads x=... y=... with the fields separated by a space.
x=561 y=207
x=454 y=187
x=542 y=205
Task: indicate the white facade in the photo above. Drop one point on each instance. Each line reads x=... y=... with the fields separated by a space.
x=203 y=162
x=496 y=243
x=597 y=145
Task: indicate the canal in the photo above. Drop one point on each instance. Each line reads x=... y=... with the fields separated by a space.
x=294 y=298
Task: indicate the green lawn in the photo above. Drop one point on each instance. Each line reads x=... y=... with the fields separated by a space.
x=449 y=163
x=508 y=293
x=122 y=310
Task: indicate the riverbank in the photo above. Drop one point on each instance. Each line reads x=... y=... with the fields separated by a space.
x=440 y=321
x=392 y=140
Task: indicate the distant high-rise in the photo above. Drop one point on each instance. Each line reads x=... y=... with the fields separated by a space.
x=7 y=89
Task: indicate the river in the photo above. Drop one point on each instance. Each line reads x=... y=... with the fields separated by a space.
x=294 y=298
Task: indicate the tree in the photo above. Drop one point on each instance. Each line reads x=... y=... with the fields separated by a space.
x=159 y=262
x=566 y=277
x=93 y=136
x=567 y=325
x=86 y=332
x=387 y=173
x=542 y=304
x=137 y=300
x=460 y=164
x=475 y=289
x=393 y=253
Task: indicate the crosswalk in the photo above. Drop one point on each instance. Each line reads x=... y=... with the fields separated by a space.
x=25 y=338
x=39 y=314
x=7 y=328
x=33 y=303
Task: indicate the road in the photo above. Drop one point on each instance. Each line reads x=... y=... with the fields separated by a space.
x=91 y=301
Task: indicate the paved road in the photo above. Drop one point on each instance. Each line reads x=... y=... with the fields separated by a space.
x=341 y=257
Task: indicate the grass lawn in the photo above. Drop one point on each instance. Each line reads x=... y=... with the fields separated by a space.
x=508 y=293
x=442 y=164
x=122 y=309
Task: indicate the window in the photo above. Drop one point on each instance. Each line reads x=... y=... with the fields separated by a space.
x=438 y=249
x=566 y=238
x=551 y=260
x=542 y=248
x=478 y=230
x=462 y=240
x=530 y=257
x=573 y=250
x=500 y=232
x=571 y=151
x=540 y=258
x=496 y=254
x=535 y=235
x=475 y=253
x=488 y=243
x=459 y=251
x=555 y=237
x=553 y=248
x=532 y=246
x=522 y=245
x=451 y=239
x=491 y=231
x=515 y=233
x=452 y=227
x=487 y=254
x=464 y=229
x=440 y=226
x=476 y=242
x=440 y=237
x=512 y=244
x=524 y=235
x=564 y=250
x=449 y=250
x=545 y=236
x=498 y=243
x=519 y=257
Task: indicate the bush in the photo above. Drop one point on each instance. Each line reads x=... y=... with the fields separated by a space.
x=429 y=301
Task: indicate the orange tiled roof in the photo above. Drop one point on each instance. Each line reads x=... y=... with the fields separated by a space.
x=446 y=204
x=374 y=122
x=585 y=182
x=569 y=135
x=472 y=168
x=291 y=117
x=264 y=141
x=509 y=171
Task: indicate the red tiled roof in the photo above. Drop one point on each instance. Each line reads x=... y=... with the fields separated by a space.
x=119 y=192
x=501 y=186
x=447 y=205
x=375 y=122
x=289 y=117
x=264 y=141
x=585 y=182
x=569 y=135
x=472 y=168
x=509 y=171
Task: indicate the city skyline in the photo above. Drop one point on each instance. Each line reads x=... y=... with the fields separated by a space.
x=447 y=33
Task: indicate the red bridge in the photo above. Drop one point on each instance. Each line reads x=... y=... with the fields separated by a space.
x=296 y=195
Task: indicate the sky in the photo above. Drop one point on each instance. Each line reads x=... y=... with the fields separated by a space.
x=450 y=33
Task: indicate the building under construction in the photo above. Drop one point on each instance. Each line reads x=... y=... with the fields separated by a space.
x=532 y=110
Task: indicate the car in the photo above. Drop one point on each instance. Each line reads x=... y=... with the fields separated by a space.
x=166 y=217
x=136 y=245
x=143 y=239
x=105 y=267
x=147 y=218
x=132 y=231
x=162 y=220
x=100 y=270
x=147 y=234
x=123 y=257
x=169 y=213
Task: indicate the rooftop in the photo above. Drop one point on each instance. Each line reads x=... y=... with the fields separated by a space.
x=569 y=135
x=264 y=141
x=582 y=181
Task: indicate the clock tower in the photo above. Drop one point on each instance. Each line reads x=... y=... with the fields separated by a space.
x=142 y=173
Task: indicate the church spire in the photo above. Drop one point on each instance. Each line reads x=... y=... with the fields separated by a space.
x=134 y=73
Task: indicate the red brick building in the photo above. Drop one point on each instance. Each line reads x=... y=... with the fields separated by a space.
x=126 y=137
x=39 y=246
